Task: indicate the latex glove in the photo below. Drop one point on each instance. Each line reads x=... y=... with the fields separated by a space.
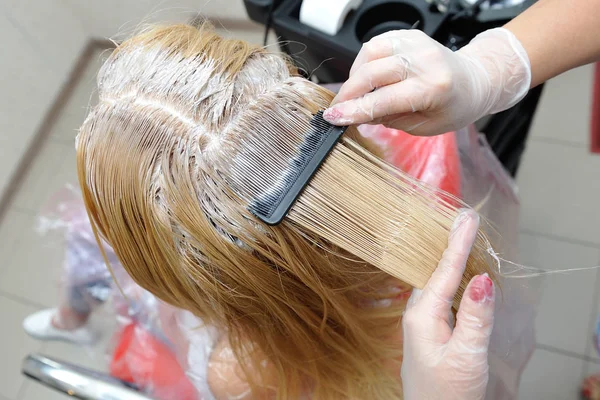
x=408 y=81
x=441 y=362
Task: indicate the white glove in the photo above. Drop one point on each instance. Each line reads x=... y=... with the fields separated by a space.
x=440 y=362
x=424 y=88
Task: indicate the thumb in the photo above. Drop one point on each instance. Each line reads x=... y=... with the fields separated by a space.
x=475 y=318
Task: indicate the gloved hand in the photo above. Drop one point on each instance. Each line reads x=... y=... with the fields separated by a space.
x=408 y=81
x=441 y=362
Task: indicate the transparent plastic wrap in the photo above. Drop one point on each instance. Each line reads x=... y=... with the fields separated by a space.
x=85 y=282
x=486 y=186
x=463 y=164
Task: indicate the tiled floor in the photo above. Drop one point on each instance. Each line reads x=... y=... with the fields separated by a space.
x=30 y=271
x=560 y=229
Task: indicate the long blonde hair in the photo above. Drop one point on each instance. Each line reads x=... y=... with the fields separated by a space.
x=160 y=170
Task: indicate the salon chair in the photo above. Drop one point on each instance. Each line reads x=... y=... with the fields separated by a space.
x=327 y=58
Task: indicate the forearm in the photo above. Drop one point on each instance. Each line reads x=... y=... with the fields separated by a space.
x=558 y=35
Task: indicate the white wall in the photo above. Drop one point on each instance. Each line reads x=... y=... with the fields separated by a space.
x=41 y=40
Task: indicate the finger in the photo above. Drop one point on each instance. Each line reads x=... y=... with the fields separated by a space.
x=390 y=43
x=373 y=75
x=415 y=123
x=379 y=47
x=414 y=298
x=438 y=293
x=398 y=98
x=475 y=318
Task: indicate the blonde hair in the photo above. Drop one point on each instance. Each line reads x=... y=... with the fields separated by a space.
x=190 y=128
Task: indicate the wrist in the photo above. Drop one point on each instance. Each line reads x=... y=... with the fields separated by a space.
x=505 y=70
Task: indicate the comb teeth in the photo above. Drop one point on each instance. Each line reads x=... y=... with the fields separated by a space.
x=319 y=124
x=318 y=143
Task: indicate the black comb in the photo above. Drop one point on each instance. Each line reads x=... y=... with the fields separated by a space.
x=318 y=143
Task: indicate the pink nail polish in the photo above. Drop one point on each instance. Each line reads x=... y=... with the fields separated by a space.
x=332 y=114
x=482 y=289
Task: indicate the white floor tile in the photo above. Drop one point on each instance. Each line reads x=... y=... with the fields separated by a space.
x=58 y=36
x=43 y=179
x=77 y=106
x=83 y=97
x=591 y=368
x=14 y=139
x=567 y=301
x=560 y=189
x=11 y=226
x=8 y=165
x=593 y=351
x=14 y=346
x=28 y=88
x=551 y=376
x=67 y=172
x=66 y=128
x=34 y=272
x=33 y=390
x=85 y=93
x=565 y=107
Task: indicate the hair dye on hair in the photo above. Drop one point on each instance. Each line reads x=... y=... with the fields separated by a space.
x=190 y=129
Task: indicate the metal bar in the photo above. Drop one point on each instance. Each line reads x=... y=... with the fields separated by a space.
x=77 y=382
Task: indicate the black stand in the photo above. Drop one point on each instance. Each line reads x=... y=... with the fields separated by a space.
x=507 y=131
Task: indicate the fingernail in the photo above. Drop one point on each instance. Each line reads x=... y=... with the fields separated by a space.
x=463 y=215
x=482 y=289
x=332 y=114
x=338 y=115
